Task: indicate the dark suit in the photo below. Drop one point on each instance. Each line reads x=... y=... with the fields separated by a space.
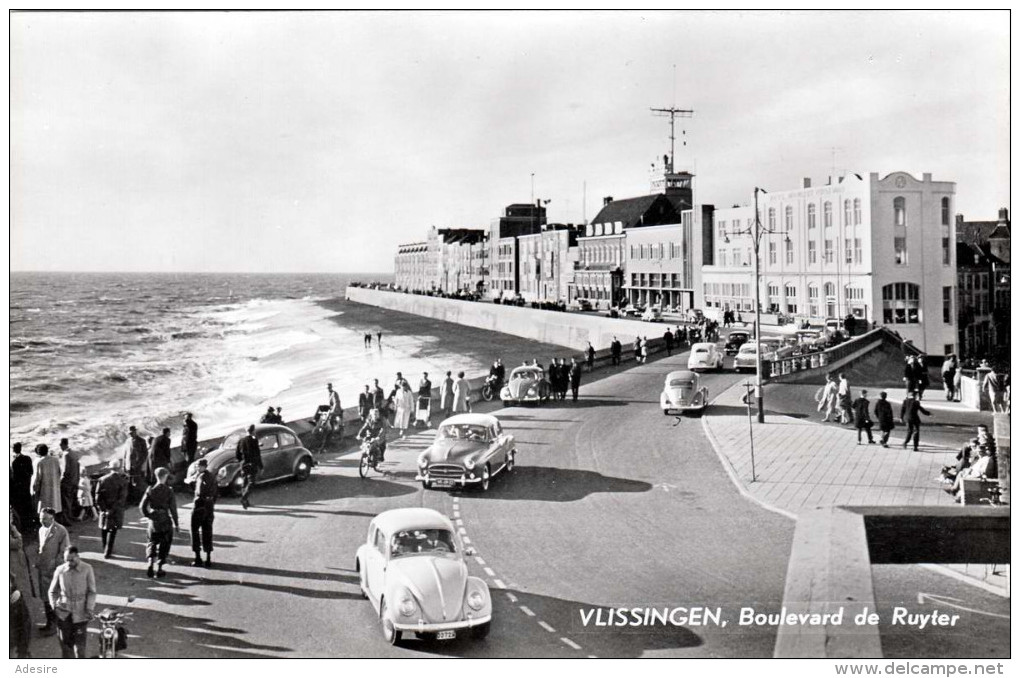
x=365 y=402
x=884 y=414
x=202 y=513
x=250 y=456
x=189 y=441
x=575 y=379
x=111 y=498
x=159 y=456
x=910 y=412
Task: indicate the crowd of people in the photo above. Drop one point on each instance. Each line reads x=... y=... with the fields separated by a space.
x=977 y=459
x=835 y=399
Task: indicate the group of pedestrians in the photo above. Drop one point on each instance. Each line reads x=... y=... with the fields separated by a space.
x=45 y=483
x=368 y=339
x=835 y=399
x=563 y=376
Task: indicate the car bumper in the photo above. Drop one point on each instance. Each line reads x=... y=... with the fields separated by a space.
x=421 y=626
x=461 y=481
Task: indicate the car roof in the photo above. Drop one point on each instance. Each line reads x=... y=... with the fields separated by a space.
x=703 y=344
x=526 y=368
x=264 y=428
x=471 y=418
x=685 y=375
x=395 y=520
x=740 y=333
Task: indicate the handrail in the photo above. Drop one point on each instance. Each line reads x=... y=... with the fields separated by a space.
x=818 y=359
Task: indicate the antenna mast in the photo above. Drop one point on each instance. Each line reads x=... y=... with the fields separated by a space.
x=673 y=113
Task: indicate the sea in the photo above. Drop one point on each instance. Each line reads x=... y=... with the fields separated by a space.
x=94 y=353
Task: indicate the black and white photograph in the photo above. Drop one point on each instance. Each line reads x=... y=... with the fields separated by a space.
x=510 y=334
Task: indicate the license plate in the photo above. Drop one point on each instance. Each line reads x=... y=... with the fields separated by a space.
x=446 y=635
x=443 y=482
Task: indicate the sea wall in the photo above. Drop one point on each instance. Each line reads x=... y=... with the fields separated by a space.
x=571 y=330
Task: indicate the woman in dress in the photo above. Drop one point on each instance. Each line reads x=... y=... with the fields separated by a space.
x=404 y=401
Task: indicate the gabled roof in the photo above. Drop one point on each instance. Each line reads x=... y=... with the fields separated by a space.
x=646 y=210
x=966 y=253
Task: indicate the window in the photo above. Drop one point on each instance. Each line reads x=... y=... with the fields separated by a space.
x=945 y=211
x=772 y=253
x=789 y=251
x=828 y=252
x=830 y=300
x=811 y=216
x=846 y=213
x=848 y=251
x=772 y=219
x=722 y=257
x=812 y=294
x=827 y=214
x=789 y=218
x=901 y=304
x=812 y=252
x=773 y=299
x=947 y=305
x=857 y=211
x=791 y=298
x=900 y=231
x=858 y=251
x=947 y=256
x=736 y=256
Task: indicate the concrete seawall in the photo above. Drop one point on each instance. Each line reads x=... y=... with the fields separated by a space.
x=572 y=330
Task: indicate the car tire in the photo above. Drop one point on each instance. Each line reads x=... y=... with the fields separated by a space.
x=506 y=403
x=486 y=478
x=361 y=580
x=510 y=460
x=303 y=469
x=390 y=634
x=237 y=484
x=426 y=484
x=666 y=412
x=481 y=631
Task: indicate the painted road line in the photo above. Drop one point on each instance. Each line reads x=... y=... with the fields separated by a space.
x=512 y=597
x=459 y=522
x=499 y=584
x=456 y=514
x=546 y=627
x=461 y=530
x=466 y=539
x=488 y=571
x=478 y=559
x=570 y=643
x=526 y=611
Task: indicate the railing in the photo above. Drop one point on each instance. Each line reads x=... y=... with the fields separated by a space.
x=818 y=359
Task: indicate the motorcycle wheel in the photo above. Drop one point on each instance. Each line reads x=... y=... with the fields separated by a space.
x=487 y=393
x=363 y=466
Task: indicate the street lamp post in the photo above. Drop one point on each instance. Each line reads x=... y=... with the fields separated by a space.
x=759 y=394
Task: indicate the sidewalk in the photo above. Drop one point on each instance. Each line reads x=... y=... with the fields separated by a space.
x=802 y=464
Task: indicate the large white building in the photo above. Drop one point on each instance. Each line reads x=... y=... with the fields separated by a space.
x=546 y=263
x=882 y=250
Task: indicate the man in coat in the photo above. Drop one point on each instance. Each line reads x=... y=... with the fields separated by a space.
x=202 y=514
x=884 y=414
x=159 y=505
x=615 y=349
x=365 y=404
x=111 y=499
x=250 y=456
x=46 y=481
x=910 y=412
x=72 y=594
x=461 y=394
x=446 y=395
x=136 y=461
x=575 y=377
x=53 y=539
x=590 y=354
x=69 y=480
x=667 y=337
x=189 y=438
x=159 y=454
x=21 y=489
x=862 y=417
x=379 y=398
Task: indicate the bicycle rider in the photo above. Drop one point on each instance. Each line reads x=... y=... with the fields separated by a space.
x=374 y=431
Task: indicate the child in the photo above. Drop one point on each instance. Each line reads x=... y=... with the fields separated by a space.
x=88 y=511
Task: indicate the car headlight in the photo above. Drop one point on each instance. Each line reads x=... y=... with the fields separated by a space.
x=407 y=605
x=222 y=474
x=476 y=600
x=469 y=463
x=423 y=460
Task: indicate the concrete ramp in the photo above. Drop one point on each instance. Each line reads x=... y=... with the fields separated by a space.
x=874 y=358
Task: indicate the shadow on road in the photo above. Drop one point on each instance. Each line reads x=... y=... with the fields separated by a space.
x=537 y=483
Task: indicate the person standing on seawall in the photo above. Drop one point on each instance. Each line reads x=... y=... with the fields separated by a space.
x=189 y=438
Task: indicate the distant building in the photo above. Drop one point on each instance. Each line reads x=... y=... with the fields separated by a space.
x=411 y=266
x=545 y=263
x=983 y=285
x=504 y=266
x=880 y=250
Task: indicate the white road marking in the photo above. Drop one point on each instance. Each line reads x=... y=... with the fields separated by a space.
x=488 y=571
x=571 y=643
x=546 y=627
x=526 y=611
x=592 y=656
x=512 y=597
x=466 y=539
x=456 y=514
x=499 y=584
x=459 y=522
x=478 y=559
x=461 y=530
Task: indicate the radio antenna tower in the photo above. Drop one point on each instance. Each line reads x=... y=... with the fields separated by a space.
x=673 y=112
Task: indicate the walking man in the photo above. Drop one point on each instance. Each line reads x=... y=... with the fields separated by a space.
x=250 y=456
x=159 y=454
x=72 y=596
x=910 y=412
x=21 y=489
x=69 y=480
x=365 y=404
x=668 y=338
x=189 y=438
x=995 y=385
x=53 y=540
x=111 y=498
x=884 y=414
x=446 y=395
x=424 y=403
x=949 y=368
x=159 y=505
x=575 y=378
x=615 y=349
x=845 y=403
x=862 y=418
x=136 y=458
x=378 y=397
x=46 y=481
x=202 y=514
x=591 y=357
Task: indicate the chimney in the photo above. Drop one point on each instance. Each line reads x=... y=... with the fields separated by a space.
x=606 y=200
x=807 y=182
x=1004 y=215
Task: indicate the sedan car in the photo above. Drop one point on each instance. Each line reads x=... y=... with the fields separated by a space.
x=705 y=356
x=411 y=567
x=469 y=449
x=283 y=456
x=682 y=393
x=527 y=384
x=651 y=315
x=734 y=341
x=747 y=357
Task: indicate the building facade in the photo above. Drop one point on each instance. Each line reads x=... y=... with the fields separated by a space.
x=598 y=277
x=504 y=264
x=879 y=249
x=547 y=263
x=411 y=265
x=983 y=286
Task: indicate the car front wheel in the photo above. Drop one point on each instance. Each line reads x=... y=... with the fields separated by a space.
x=390 y=632
x=303 y=469
x=486 y=477
x=237 y=484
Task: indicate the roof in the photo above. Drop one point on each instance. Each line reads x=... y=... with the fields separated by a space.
x=646 y=210
x=471 y=418
x=702 y=343
x=683 y=375
x=967 y=251
x=412 y=518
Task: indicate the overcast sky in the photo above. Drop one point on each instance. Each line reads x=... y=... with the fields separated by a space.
x=318 y=142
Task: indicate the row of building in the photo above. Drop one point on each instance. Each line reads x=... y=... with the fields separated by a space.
x=888 y=251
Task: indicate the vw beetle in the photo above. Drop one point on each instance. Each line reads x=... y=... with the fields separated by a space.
x=283 y=456
x=683 y=393
x=411 y=567
x=527 y=384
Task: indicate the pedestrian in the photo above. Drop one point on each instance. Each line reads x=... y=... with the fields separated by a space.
x=575 y=378
x=957 y=381
x=378 y=339
x=268 y=417
x=846 y=415
x=21 y=576
x=46 y=480
x=644 y=350
x=910 y=412
x=949 y=368
x=884 y=414
x=378 y=398
x=500 y=371
x=84 y=498
x=136 y=459
x=995 y=385
x=365 y=404
x=564 y=378
x=637 y=350
x=250 y=456
x=368 y=339
x=111 y=498
x=69 y=480
x=336 y=411
x=921 y=375
x=189 y=438
x=159 y=455
x=159 y=506
x=862 y=418
x=404 y=401
x=909 y=376
x=424 y=401
x=202 y=513
x=446 y=395
x=53 y=540
x=278 y=418
x=591 y=357
x=461 y=394
x=21 y=489
x=615 y=349
x=72 y=595
x=667 y=337
x=825 y=396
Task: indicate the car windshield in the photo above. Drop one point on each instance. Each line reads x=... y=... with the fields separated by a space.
x=680 y=383
x=526 y=374
x=230 y=442
x=749 y=348
x=463 y=432
x=701 y=350
x=412 y=542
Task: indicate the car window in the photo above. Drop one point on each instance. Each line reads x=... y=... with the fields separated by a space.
x=231 y=441
x=287 y=439
x=498 y=427
x=380 y=541
x=701 y=350
x=268 y=441
x=680 y=383
x=413 y=542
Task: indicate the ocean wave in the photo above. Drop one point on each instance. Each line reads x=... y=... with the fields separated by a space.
x=190 y=334
x=116 y=378
x=20 y=406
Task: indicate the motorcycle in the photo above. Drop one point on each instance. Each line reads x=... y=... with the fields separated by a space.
x=370 y=454
x=491 y=387
x=112 y=633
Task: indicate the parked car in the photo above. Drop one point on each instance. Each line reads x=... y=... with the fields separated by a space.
x=583 y=305
x=469 y=449
x=734 y=341
x=633 y=311
x=283 y=456
x=683 y=393
x=747 y=357
x=527 y=384
x=695 y=315
x=651 y=315
x=411 y=568
x=705 y=356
